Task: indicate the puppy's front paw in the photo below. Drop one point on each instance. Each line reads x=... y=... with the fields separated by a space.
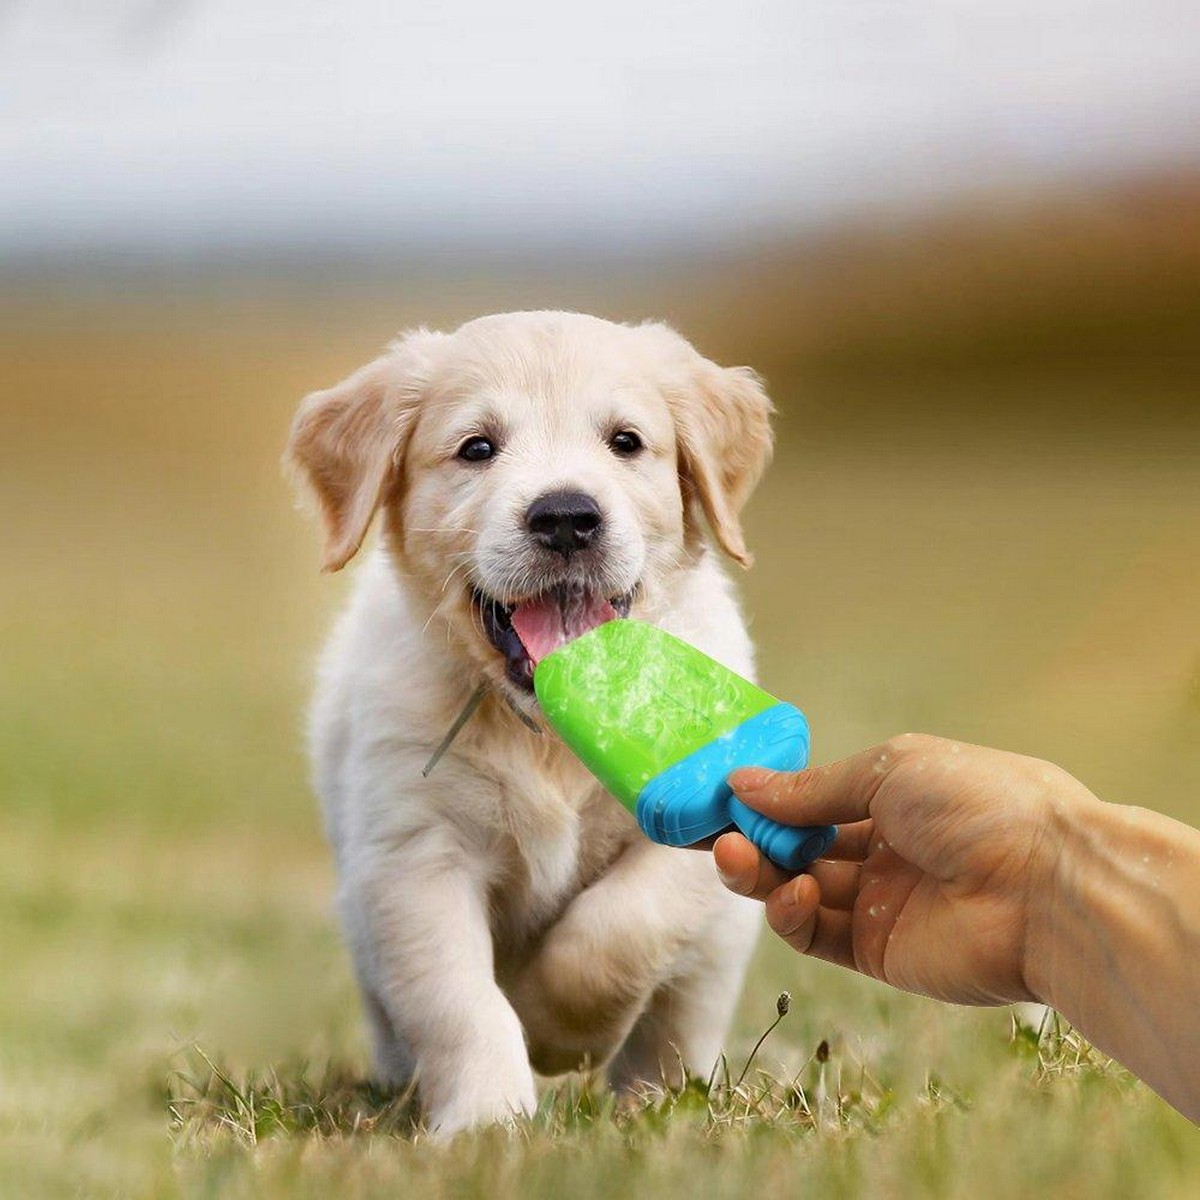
x=480 y=1077
x=471 y=1110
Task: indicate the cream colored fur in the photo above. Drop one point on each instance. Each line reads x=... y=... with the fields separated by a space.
x=505 y=916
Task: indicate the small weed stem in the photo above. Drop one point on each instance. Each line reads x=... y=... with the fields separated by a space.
x=781 y=1007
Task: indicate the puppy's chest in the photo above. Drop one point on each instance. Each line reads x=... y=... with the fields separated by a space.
x=548 y=857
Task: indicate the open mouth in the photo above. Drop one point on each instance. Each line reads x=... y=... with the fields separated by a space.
x=526 y=631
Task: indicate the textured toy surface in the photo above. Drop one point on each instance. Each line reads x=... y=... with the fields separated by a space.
x=661 y=725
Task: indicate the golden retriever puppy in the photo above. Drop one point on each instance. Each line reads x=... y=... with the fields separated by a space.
x=505 y=915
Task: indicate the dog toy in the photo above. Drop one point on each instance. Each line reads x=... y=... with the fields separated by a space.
x=661 y=725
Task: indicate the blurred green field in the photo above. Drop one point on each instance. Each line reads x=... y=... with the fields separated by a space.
x=1005 y=551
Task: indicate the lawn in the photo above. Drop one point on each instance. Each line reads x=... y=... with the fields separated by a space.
x=177 y=1016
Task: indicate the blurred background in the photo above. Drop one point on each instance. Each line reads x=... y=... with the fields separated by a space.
x=961 y=241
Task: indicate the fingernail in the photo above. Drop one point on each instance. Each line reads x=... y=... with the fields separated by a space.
x=788 y=919
x=750 y=779
x=732 y=881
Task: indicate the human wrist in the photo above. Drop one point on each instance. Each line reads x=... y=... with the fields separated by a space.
x=1112 y=934
x=1063 y=870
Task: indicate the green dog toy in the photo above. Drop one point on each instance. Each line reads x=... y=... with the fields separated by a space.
x=661 y=726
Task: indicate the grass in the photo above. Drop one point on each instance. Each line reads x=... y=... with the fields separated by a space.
x=823 y=1095
x=830 y=1105
x=177 y=1016
x=825 y=1116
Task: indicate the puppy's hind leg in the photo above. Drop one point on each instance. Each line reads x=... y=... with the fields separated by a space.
x=682 y=1032
x=392 y=1062
x=394 y=1065
x=648 y=1058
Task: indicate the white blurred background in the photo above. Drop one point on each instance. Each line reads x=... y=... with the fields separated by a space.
x=172 y=127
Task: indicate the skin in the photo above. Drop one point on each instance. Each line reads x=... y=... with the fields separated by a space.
x=976 y=876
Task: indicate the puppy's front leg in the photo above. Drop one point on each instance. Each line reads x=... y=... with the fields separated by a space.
x=426 y=907
x=615 y=944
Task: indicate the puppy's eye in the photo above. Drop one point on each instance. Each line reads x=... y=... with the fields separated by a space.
x=625 y=443
x=476 y=449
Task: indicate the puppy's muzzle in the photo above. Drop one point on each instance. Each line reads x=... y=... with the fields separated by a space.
x=564 y=522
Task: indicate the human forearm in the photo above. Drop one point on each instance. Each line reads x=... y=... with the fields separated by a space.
x=1114 y=940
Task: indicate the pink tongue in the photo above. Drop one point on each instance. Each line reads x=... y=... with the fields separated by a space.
x=546 y=623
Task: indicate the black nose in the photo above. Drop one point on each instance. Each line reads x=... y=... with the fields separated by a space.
x=564 y=521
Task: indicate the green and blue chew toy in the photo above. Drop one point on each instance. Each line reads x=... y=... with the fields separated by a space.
x=661 y=726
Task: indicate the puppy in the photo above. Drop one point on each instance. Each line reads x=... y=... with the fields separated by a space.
x=505 y=915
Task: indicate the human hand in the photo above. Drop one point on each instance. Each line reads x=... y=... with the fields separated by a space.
x=943 y=852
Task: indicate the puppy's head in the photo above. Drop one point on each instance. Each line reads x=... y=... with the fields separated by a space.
x=538 y=472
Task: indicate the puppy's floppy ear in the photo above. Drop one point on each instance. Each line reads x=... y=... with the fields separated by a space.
x=723 y=427
x=348 y=441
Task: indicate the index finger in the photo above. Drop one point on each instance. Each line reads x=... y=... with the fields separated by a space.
x=838 y=793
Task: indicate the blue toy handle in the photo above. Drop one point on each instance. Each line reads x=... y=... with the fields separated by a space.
x=788 y=846
x=691 y=801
